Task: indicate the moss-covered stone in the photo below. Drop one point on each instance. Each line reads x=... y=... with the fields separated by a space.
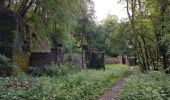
x=21 y=60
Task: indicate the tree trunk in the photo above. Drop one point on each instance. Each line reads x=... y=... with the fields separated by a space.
x=163 y=47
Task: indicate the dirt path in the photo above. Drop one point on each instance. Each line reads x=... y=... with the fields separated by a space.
x=113 y=93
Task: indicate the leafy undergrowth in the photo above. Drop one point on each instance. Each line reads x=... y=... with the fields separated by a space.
x=84 y=85
x=53 y=70
x=148 y=86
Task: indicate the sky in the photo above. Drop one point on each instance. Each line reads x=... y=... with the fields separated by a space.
x=105 y=7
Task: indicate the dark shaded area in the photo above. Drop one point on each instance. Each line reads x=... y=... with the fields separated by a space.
x=7 y=31
x=40 y=59
x=123 y=60
x=57 y=54
x=132 y=61
x=94 y=60
x=6 y=67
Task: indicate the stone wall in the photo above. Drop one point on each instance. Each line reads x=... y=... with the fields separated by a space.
x=75 y=58
x=123 y=59
x=40 y=59
x=94 y=60
x=111 y=60
x=57 y=55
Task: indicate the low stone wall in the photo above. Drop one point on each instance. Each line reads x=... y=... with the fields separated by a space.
x=74 y=58
x=57 y=56
x=111 y=60
x=94 y=60
x=40 y=59
x=123 y=59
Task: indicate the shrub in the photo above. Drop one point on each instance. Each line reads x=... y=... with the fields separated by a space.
x=84 y=85
x=148 y=86
x=87 y=85
x=19 y=88
x=7 y=68
x=53 y=70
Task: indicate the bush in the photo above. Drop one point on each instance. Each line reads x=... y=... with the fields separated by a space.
x=7 y=68
x=84 y=85
x=53 y=70
x=19 y=88
x=148 y=86
x=87 y=85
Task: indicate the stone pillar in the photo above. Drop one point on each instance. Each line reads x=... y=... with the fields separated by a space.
x=94 y=60
x=123 y=59
x=126 y=59
x=57 y=55
x=120 y=58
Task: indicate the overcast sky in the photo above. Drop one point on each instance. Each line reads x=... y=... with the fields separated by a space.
x=105 y=7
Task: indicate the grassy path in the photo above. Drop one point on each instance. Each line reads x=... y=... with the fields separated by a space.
x=113 y=93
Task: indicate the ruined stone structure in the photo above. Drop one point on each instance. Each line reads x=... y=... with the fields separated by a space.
x=41 y=59
x=111 y=60
x=94 y=60
x=123 y=59
x=7 y=32
x=75 y=58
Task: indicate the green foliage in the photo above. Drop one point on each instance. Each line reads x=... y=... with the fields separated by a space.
x=118 y=39
x=19 y=88
x=53 y=70
x=148 y=86
x=58 y=37
x=115 y=35
x=48 y=20
x=84 y=85
x=149 y=31
x=97 y=38
x=7 y=68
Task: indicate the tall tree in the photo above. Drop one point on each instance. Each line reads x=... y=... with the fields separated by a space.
x=148 y=24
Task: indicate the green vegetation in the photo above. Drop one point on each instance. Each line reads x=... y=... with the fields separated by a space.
x=149 y=86
x=53 y=70
x=28 y=26
x=148 y=36
x=84 y=85
x=7 y=68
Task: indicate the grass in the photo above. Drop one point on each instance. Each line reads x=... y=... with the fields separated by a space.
x=83 y=85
